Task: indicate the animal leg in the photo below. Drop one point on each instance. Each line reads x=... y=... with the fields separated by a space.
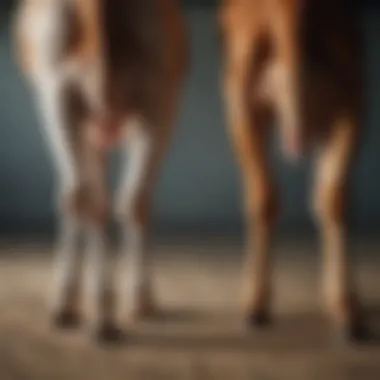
x=60 y=108
x=330 y=207
x=144 y=152
x=248 y=131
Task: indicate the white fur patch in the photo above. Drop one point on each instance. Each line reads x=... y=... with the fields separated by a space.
x=134 y=239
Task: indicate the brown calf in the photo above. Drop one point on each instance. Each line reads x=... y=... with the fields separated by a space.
x=300 y=61
x=104 y=72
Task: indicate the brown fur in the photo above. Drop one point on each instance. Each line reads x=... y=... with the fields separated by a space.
x=317 y=103
x=135 y=51
x=133 y=55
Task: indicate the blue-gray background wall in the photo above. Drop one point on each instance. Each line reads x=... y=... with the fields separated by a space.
x=199 y=188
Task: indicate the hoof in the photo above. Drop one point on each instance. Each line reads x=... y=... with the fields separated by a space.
x=356 y=332
x=109 y=334
x=67 y=320
x=143 y=313
x=258 y=319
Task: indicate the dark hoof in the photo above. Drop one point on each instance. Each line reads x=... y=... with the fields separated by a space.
x=258 y=319
x=358 y=332
x=67 y=320
x=109 y=334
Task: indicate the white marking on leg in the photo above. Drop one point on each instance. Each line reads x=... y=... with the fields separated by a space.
x=68 y=266
x=44 y=27
x=134 y=234
x=59 y=141
x=100 y=266
x=49 y=89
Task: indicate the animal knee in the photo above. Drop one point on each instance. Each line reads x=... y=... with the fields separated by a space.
x=265 y=206
x=135 y=210
x=98 y=210
x=330 y=205
x=73 y=201
x=84 y=204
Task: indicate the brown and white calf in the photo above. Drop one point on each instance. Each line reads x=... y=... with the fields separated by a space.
x=105 y=73
x=299 y=61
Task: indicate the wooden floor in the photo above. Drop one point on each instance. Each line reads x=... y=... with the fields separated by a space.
x=199 y=334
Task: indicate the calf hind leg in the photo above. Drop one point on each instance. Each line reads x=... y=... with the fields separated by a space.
x=330 y=206
x=66 y=299
x=261 y=209
x=249 y=133
x=100 y=269
x=144 y=153
x=61 y=112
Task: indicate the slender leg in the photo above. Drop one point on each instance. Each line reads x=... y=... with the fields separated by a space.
x=260 y=204
x=144 y=152
x=100 y=269
x=248 y=130
x=100 y=275
x=67 y=288
x=330 y=204
x=60 y=113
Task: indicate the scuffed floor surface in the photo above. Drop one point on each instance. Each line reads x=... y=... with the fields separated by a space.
x=199 y=334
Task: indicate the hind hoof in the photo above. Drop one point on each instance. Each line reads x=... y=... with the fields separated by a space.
x=258 y=319
x=67 y=320
x=143 y=312
x=109 y=334
x=357 y=332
